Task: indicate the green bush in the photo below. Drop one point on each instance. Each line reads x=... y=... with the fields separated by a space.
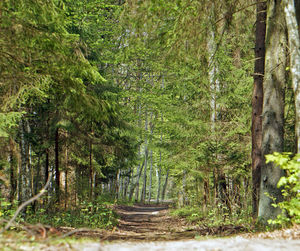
x=290 y=185
x=87 y=214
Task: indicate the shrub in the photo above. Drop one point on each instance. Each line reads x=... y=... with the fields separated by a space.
x=290 y=185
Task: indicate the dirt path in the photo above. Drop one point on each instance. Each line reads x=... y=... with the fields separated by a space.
x=150 y=227
x=154 y=223
x=151 y=223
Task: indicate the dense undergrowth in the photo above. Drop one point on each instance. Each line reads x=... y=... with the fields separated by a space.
x=96 y=214
x=213 y=218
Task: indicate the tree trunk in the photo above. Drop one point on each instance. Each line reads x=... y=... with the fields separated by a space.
x=25 y=174
x=57 y=172
x=294 y=46
x=206 y=195
x=66 y=176
x=91 y=169
x=151 y=160
x=257 y=103
x=150 y=176
x=136 y=184
x=143 y=196
x=165 y=186
x=12 y=169
x=214 y=85
x=159 y=179
x=273 y=109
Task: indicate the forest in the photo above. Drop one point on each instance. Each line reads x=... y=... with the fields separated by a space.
x=120 y=102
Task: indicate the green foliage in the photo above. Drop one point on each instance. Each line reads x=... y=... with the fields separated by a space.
x=7 y=209
x=212 y=216
x=88 y=214
x=190 y=213
x=290 y=185
x=8 y=121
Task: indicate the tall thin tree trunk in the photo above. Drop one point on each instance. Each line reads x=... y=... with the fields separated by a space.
x=57 y=171
x=273 y=109
x=206 y=195
x=143 y=196
x=25 y=174
x=120 y=184
x=91 y=170
x=151 y=161
x=150 y=176
x=257 y=102
x=159 y=178
x=137 y=183
x=294 y=46
x=12 y=170
x=66 y=176
x=214 y=85
x=165 y=186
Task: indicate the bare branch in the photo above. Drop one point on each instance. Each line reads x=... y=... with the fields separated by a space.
x=26 y=203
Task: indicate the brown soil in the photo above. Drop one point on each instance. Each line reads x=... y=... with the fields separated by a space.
x=151 y=223
x=154 y=223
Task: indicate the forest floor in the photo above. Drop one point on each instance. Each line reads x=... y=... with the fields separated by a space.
x=150 y=227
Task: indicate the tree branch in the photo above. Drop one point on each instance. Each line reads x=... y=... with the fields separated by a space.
x=26 y=203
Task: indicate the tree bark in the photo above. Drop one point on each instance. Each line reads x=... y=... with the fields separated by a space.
x=25 y=174
x=294 y=46
x=257 y=103
x=151 y=160
x=12 y=166
x=91 y=172
x=273 y=109
x=159 y=179
x=57 y=172
x=143 y=196
x=165 y=186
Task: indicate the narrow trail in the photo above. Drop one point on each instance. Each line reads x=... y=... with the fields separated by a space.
x=149 y=223
x=150 y=227
x=154 y=223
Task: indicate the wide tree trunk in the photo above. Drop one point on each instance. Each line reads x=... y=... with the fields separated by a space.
x=294 y=46
x=257 y=103
x=273 y=109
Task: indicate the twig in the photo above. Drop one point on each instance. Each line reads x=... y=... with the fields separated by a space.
x=26 y=203
x=18 y=226
x=78 y=230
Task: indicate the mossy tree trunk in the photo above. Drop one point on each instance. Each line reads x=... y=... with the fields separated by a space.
x=273 y=109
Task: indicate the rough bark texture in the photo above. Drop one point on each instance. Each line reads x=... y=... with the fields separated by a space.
x=294 y=46
x=273 y=109
x=257 y=103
